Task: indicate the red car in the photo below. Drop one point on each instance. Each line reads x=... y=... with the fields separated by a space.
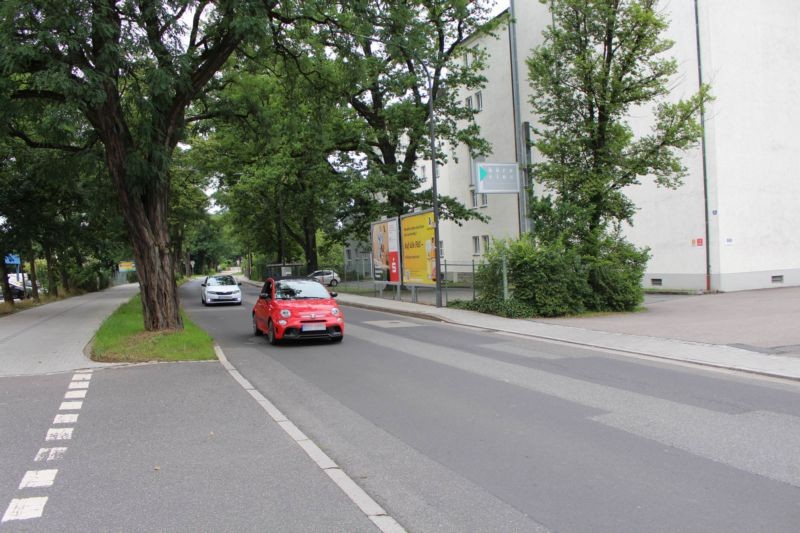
x=297 y=309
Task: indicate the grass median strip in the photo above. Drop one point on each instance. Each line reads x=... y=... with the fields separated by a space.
x=123 y=339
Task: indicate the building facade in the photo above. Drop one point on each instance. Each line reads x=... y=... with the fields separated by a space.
x=733 y=224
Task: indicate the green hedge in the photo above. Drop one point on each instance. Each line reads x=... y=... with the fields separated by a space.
x=555 y=279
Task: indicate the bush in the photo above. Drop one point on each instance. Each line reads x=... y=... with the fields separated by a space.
x=615 y=276
x=511 y=308
x=545 y=280
x=554 y=279
x=132 y=276
x=92 y=276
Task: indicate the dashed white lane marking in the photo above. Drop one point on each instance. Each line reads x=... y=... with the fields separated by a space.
x=65 y=419
x=38 y=478
x=24 y=508
x=50 y=454
x=357 y=495
x=27 y=508
x=59 y=434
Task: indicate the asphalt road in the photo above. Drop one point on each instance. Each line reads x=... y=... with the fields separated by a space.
x=456 y=429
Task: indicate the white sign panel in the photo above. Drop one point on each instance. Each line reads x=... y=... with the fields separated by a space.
x=497 y=178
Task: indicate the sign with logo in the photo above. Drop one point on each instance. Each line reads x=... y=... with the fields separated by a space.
x=419 y=248
x=127 y=266
x=12 y=260
x=497 y=178
x=385 y=251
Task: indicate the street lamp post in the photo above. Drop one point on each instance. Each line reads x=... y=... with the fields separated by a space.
x=437 y=255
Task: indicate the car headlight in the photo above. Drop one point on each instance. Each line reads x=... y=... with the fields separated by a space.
x=335 y=311
x=285 y=313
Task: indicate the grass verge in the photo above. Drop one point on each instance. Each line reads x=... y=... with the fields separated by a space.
x=123 y=339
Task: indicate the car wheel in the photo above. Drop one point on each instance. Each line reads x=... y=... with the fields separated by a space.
x=273 y=340
x=338 y=339
x=334 y=283
x=257 y=332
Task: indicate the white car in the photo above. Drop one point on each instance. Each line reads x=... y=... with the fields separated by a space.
x=326 y=277
x=222 y=289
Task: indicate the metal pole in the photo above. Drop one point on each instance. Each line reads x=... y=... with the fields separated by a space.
x=519 y=147
x=434 y=191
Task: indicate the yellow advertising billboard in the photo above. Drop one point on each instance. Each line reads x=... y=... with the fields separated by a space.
x=419 y=248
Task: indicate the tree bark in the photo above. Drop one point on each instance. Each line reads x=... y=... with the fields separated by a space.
x=7 y=296
x=32 y=277
x=52 y=286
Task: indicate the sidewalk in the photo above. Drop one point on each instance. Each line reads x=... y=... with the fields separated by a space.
x=51 y=338
x=750 y=331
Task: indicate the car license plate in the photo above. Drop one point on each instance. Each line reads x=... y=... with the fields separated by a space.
x=318 y=326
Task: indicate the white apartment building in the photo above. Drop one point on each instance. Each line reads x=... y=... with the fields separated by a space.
x=734 y=224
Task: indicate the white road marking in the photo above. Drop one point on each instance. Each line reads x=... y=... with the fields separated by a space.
x=81 y=377
x=70 y=406
x=59 y=434
x=73 y=394
x=38 y=478
x=50 y=454
x=317 y=455
x=65 y=419
x=293 y=431
x=364 y=501
x=79 y=385
x=387 y=524
x=24 y=508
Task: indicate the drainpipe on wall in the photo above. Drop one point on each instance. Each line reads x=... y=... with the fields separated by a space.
x=703 y=145
x=518 y=141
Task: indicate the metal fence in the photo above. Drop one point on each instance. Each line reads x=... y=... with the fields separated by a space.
x=458 y=283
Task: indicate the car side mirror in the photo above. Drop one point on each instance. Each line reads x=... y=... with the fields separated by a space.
x=264 y=296
x=239 y=283
x=202 y=284
x=334 y=294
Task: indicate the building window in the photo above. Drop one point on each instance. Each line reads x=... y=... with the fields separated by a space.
x=476 y=245
x=468 y=102
x=478 y=199
x=349 y=253
x=485 y=239
x=471 y=171
x=441 y=250
x=479 y=100
x=423 y=172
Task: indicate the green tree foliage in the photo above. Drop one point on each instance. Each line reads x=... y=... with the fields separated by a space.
x=600 y=60
x=386 y=54
x=130 y=69
x=59 y=206
x=272 y=149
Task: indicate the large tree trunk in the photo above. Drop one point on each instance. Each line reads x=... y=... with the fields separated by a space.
x=7 y=296
x=52 y=286
x=32 y=277
x=145 y=212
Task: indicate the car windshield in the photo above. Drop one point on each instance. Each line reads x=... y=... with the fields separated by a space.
x=221 y=280
x=299 y=289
